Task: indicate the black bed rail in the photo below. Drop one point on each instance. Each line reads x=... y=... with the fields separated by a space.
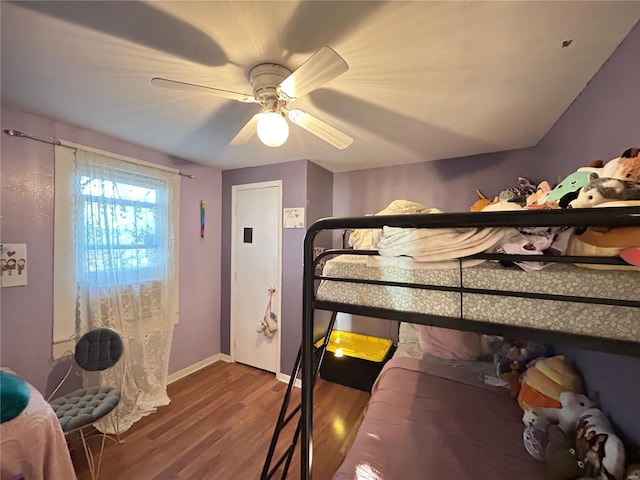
x=580 y=218
x=614 y=346
x=573 y=217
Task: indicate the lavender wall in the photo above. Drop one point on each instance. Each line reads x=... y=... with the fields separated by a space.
x=319 y=199
x=27 y=216
x=320 y=205
x=448 y=185
x=604 y=120
x=294 y=191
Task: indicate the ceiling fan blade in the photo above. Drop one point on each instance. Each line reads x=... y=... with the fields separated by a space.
x=322 y=66
x=245 y=134
x=320 y=128
x=190 y=87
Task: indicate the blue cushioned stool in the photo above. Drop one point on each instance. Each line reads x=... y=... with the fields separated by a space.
x=98 y=349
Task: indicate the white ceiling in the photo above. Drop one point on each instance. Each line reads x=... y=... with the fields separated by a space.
x=427 y=80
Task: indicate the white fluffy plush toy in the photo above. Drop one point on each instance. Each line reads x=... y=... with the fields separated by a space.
x=625 y=167
x=600 y=453
x=538 y=419
x=573 y=405
x=603 y=189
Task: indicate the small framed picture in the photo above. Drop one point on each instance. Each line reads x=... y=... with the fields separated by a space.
x=13 y=264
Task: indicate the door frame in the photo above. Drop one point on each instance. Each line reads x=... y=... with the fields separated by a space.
x=277 y=305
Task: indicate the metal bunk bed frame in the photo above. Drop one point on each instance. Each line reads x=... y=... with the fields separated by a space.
x=310 y=356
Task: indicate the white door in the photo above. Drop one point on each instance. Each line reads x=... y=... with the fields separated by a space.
x=255 y=267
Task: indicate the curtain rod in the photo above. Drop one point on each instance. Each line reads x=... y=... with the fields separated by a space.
x=57 y=142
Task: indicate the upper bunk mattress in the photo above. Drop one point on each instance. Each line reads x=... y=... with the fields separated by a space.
x=606 y=321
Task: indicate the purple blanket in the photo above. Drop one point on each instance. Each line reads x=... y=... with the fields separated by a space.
x=434 y=421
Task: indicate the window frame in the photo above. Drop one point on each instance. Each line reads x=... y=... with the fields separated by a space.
x=64 y=264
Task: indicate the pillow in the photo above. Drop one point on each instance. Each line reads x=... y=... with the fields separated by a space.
x=449 y=344
x=408 y=333
x=14 y=396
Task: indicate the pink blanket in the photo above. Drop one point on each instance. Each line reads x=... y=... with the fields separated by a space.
x=434 y=421
x=32 y=445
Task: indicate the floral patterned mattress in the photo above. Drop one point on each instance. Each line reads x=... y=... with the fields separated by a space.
x=561 y=279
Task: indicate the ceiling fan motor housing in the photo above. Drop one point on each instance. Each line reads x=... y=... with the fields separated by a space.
x=265 y=79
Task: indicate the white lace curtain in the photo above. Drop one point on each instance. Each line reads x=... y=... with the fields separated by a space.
x=126 y=235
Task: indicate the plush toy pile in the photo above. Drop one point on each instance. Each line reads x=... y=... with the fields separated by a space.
x=575 y=441
x=599 y=185
x=563 y=428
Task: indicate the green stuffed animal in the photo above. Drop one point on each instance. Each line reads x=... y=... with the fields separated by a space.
x=568 y=188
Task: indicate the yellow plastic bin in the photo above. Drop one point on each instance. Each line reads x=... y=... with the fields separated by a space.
x=353 y=359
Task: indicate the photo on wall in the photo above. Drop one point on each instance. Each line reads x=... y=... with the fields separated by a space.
x=13 y=264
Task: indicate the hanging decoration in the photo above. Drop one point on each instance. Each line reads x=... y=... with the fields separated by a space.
x=201 y=218
x=269 y=323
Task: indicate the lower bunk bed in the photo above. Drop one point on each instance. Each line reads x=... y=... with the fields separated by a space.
x=429 y=419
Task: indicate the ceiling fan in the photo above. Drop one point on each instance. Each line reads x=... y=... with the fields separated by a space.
x=274 y=88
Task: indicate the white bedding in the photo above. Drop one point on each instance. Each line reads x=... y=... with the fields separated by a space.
x=439 y=244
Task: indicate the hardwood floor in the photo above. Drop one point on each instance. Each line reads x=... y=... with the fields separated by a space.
x=219 y=425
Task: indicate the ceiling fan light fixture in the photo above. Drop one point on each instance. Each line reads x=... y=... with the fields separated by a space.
x=273 y=129
x=274 y=88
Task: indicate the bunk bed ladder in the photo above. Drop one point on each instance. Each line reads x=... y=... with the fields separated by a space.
x=284 y=418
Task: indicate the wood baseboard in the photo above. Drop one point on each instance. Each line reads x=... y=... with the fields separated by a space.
x=205 y=362
x=284 y=378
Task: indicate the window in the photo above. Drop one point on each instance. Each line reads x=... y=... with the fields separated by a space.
x=125 y=229
x=115 y=260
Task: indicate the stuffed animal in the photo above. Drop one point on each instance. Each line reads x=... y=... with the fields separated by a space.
x=633 y=472
x=539 y=198
x=625 y=167
x=568 y=188
x=510 y=361
x=598 y=450
x=482 y=201
x=524 y=188
x=513 y=380
x=573 y=406
x=502 y=206
x=542 y=385
x=559 y=456
x=549 y=434
x=605 y=189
